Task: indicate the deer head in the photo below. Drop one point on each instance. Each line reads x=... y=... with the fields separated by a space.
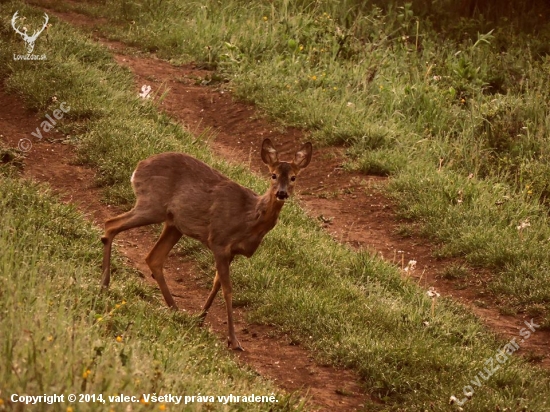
x=29 y=40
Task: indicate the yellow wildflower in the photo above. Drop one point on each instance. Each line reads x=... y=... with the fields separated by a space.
x=119 y=338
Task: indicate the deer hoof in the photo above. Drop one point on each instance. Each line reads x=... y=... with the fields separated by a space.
x=201 y=318
x=235 y=346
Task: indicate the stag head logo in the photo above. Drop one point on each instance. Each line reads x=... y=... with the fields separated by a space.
x=29 y=40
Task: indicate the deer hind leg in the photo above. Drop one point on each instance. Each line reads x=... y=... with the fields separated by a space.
x=211 y=296
x=134 y=218
x=156 y=257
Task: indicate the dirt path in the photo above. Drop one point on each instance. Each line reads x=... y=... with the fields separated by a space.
x=350 y=206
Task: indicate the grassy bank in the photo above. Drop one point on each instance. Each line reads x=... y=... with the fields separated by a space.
x=350 y=308
x=455 y=109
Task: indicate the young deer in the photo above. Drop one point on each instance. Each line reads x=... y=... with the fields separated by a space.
x=195 y=200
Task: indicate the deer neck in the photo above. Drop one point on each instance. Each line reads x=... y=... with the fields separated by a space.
x=267 y=211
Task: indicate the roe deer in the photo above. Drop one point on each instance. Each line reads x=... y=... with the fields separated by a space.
x=195 y=200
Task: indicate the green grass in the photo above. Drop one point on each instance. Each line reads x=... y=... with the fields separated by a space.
x=349 y=308
x=404 y=96
x=60 y=335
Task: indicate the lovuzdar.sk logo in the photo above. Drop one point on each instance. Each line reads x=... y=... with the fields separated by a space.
x=29 y=39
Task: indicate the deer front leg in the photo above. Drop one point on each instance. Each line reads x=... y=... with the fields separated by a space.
x=211 y=296
x=222 y=266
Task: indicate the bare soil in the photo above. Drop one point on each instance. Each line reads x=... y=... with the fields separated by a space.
x=352 y=208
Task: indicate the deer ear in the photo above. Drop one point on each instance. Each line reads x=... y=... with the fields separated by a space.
x=303 y=156
x=269 y=154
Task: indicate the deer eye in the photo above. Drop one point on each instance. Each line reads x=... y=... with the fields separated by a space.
x=293 y=178
x=274 y=176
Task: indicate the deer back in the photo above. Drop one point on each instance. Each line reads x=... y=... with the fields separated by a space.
x=200 y=201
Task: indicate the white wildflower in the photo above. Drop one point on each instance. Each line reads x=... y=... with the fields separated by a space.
x=523 y=225
x=145 y=90
x=432 y=293
x=410 y=266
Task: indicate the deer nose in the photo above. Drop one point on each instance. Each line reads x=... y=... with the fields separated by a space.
x=281 y=195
